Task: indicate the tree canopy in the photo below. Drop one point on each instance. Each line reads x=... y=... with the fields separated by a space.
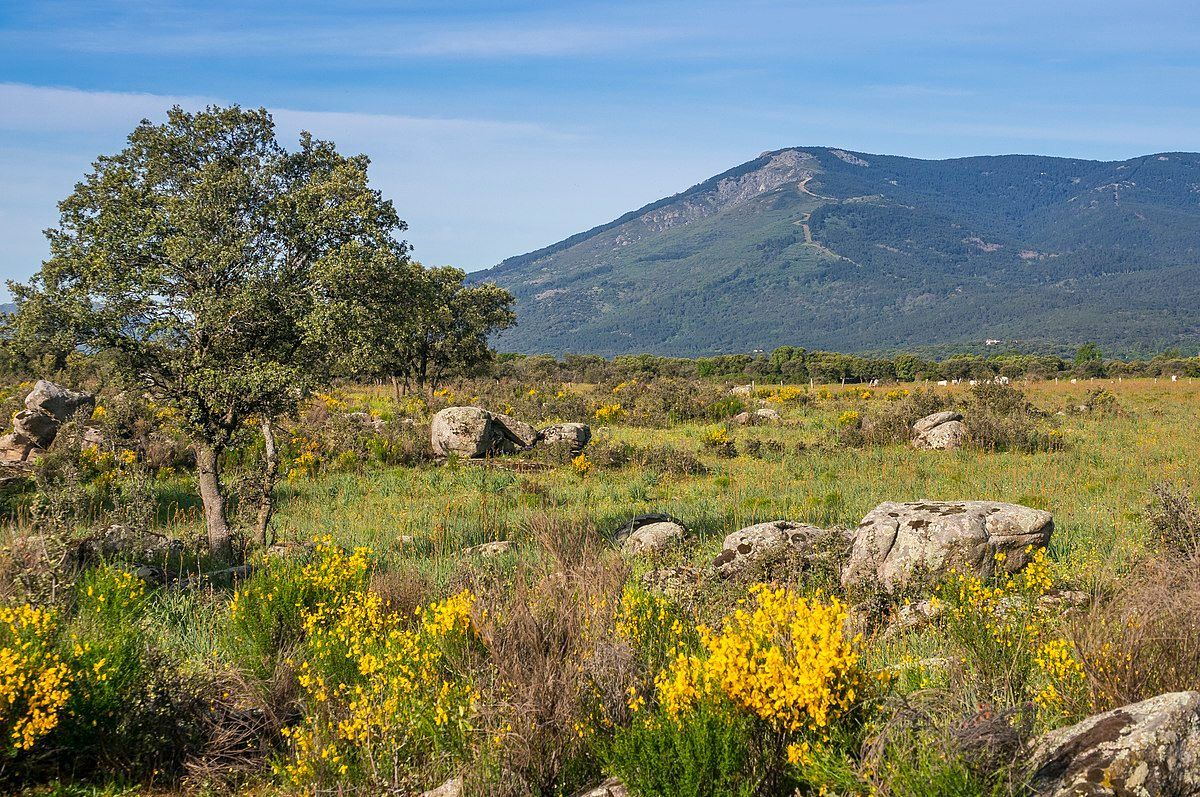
x=217 y=269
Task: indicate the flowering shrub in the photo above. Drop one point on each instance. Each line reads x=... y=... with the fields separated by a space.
x=381 y=702
x=776 y=678
x=609 y=413
x=1011 y=636
x=581 y=465
x=34 y=681
x=788 y=394
x=788 y=661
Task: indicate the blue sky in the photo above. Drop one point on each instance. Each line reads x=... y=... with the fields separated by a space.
x=500 y=127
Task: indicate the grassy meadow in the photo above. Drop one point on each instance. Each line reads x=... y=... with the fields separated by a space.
x=383 y=659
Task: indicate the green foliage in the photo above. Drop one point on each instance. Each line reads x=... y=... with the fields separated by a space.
x=708 y=753
x=130 y=709
x=428 y=324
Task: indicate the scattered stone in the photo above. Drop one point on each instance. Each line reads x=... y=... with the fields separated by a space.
x=451 y=788
x=897 y=542
x=759 y=416
x=35 y=427
x=367 y=421
x=92 y=437
x=936 y=419
x=653 y=537
x=1064 y=601
x=465 y=431
x=756 y=542
x=915 y=616
x=671 y=580
x=126 y=544
x=518 y=434
x=577 y=435
x=1140 y=750
x=490 y=549
x=289 y=550
x=57 y=401
x=940 y=431
x=637 y=521
x=609 y=788
x=148 y=574
x=15 y=449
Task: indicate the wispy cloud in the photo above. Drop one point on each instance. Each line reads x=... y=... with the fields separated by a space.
x=33 y=109
x=51 y=109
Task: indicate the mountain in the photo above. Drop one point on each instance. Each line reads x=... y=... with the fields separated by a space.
x=849 y=251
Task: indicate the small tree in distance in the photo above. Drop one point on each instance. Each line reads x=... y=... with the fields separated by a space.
x=423 y=328
x=218 y=271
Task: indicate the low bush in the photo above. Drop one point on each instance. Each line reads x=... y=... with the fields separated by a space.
x=775 y=680
x=1007 y=632
x=1144 y=638
x=1000 y=418
x=385 y=707
x=1174 y=520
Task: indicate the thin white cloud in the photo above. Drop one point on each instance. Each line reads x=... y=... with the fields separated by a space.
x=530 y=38
x=48 y=109
x=32 y=109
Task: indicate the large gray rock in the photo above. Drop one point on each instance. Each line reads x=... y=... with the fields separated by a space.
x=897 y=542
x=1145 y=749
x=35 y=427
x=936 y=419
x=577 y=435
x=57 y=400
x=653 y=537
x=465 y=431
x=518 y=434
x=754 y=543
x=940 y=431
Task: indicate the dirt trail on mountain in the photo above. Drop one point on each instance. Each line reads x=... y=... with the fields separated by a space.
x=808 y=236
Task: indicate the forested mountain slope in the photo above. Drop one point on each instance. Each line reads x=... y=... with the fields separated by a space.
x=830 y=249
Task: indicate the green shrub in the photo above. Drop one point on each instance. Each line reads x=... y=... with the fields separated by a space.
x=131 y=711
x=708 y=753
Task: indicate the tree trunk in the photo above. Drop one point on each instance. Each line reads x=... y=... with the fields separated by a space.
x=208 y=473
x=266 y=500
x=396 y=389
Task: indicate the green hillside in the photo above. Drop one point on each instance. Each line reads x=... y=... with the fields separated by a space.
x=848 y=251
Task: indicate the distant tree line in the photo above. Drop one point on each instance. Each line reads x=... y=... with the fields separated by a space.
x=797 y=365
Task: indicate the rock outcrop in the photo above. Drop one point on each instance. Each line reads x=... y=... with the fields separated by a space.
x=759 y=416
x=518 y=434
x=576 y=435
x=57 y=401
x=465 y=431
x=1145 y=749
x=762 y=540
x=899 y=542
x=35 y=428
x=941 y=431
x=653 y=537
x=474 y=432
